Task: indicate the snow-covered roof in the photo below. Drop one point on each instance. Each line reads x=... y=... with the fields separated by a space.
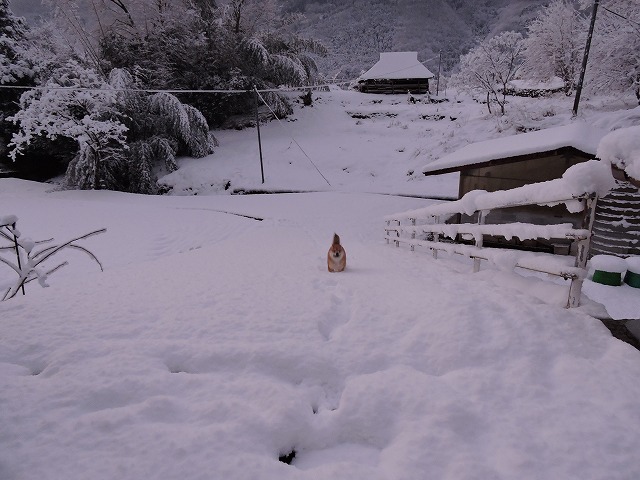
x=397 y=65
x=577 y=135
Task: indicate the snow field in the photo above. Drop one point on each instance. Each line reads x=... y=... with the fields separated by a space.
x=214 y=343
x=209 y=352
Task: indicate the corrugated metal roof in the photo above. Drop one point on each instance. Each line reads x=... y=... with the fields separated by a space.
x=580 y=136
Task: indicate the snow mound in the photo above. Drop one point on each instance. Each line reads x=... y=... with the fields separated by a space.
x=622 y=149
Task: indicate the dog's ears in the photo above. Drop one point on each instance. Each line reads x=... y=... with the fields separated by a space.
x=336 y=239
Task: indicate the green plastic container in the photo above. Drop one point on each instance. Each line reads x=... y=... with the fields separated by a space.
x=607 y=278
x=632 y=279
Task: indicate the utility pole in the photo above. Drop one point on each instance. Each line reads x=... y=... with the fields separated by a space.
x=586 y=57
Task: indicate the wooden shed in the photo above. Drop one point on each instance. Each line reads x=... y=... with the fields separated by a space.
x=396 y=72
x=538 y=156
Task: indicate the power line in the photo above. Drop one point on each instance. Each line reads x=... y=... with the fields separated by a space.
x=292 y=138
x=620 y=15
x=151 y=90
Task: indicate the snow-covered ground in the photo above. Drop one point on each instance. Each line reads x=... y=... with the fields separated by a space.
x=215 y=341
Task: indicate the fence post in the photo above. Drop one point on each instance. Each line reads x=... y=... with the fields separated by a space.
x=413 y=234
x=398 y=233
x=479 y=240
x=575 y=290
x=436 y=238
x=582 y=252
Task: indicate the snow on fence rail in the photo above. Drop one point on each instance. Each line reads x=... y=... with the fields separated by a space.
x=578 y=189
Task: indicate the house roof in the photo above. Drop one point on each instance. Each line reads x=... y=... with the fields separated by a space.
x=579 y=137
x=397 y=65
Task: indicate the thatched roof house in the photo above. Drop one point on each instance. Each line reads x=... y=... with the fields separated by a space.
x=396 y=72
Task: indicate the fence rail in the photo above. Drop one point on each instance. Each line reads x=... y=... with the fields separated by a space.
x=428 y=228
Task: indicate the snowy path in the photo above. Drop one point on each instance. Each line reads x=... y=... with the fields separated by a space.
x=214 y=343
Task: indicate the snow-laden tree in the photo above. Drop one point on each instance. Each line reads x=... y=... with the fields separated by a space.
x=16 y=69
x=159 y=127
x=614 y=61
x=75 y=102
x=555 y=44
x=237 y=45
x=123 y=134
x=490 y=66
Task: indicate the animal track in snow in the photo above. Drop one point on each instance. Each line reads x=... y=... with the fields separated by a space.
x=339 y=311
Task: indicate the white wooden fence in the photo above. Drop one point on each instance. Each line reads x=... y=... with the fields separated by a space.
x=427 y=228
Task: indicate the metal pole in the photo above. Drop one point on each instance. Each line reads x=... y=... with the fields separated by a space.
x=259 y=139
x=438 y=81
x=586 y=57
x=15 y=244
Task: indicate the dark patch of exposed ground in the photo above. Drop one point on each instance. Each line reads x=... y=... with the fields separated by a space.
x=619 y=330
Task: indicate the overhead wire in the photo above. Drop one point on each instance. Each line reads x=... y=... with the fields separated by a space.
x=292 y=138
x=172 y=90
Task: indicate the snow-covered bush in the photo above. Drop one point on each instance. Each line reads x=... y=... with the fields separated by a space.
x=27 y=260
x=159 y=127
x=490 y=66
x=122 y=133
x=15 y=68
x=236 y=46
x=75 y=102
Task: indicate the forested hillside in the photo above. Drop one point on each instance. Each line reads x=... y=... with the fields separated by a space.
x=355 y=31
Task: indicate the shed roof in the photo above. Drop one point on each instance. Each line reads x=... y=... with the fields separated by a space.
x=577 y=136
x=397 y=65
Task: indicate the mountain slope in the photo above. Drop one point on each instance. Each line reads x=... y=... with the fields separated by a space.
x=357 y=30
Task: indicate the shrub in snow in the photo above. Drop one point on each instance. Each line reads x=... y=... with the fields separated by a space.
x=159 y=127
x=78 y=105
x=123 y=134
x=27 y=261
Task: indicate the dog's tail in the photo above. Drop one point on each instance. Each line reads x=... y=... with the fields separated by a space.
x=336 y=239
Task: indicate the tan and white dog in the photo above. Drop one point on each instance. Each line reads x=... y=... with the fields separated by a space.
x=337 y=257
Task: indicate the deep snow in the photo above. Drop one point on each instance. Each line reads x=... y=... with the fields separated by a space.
x=215 y=343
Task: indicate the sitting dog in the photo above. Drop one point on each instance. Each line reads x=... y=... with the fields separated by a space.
x=337 y=257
